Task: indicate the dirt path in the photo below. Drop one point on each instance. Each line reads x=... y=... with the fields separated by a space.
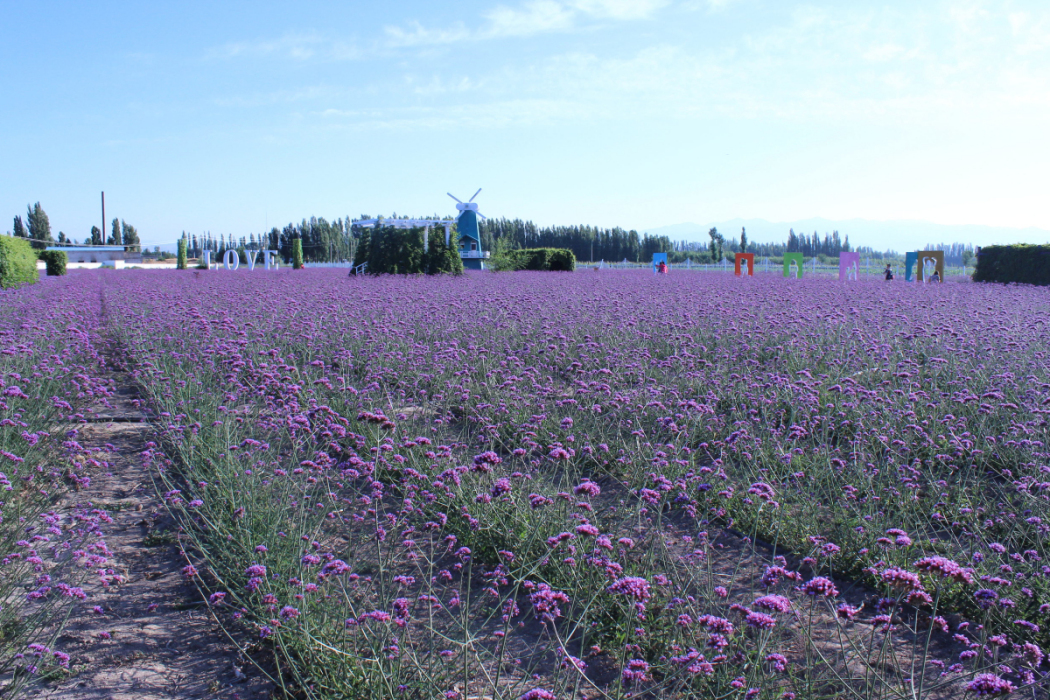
x=153 y=637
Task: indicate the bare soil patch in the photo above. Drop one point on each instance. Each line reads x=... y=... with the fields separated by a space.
x=148 y=634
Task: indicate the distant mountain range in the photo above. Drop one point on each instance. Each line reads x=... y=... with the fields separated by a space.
x=880 y=235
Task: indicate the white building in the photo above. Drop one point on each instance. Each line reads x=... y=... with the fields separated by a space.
x=98 y=253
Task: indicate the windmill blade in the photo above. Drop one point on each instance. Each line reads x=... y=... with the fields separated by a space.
x=454 y=197
x=475 y=195
x=481 y=215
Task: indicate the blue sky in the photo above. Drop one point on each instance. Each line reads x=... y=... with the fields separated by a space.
x=232 y=117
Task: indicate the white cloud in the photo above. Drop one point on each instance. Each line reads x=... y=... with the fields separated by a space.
x=418 y=35
x=527 y=19
x=619 y=9
x=898 y=65
x=490 y=115
x=439 y=86
x=532 y=18
x=296 y=46
x=1031 y=34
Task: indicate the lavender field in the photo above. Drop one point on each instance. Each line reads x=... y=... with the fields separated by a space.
x=540 y=485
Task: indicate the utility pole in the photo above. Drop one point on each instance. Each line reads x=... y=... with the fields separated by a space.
x=103 y=217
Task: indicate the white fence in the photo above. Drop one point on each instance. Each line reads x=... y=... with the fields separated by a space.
x=867 y=267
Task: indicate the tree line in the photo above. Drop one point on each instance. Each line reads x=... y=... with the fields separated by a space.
x=338 y=240
x=590 y=243
x=37 y=228
x=322 y=241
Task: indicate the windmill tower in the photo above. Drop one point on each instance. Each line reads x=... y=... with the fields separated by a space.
x=469 y=234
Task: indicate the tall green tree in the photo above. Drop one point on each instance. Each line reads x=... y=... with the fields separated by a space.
x=96 y=236
x=20 y=229
x=717 y=243
x=364 y=248
x=129 y=234
x=743 y=239
x=115 y=237
x=39 y=226
x=443 y=259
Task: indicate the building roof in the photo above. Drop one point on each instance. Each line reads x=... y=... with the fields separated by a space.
x=87 y=249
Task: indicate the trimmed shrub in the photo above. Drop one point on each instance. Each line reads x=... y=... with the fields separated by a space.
x=297 y=253
x=541 y=259
x=55 y=260
x=180 y=263
x=17 y=262
x=1027 y=264
x=561 y=260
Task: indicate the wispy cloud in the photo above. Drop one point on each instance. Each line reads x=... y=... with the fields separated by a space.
x=619 y=9
x=490 y=115
x=418 y=35
x=819 y=63
x=527 y=19
x=297 y=47
x=273 y=97
x=531 y=18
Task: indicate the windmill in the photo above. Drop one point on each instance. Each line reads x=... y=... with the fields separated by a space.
x=469 y=234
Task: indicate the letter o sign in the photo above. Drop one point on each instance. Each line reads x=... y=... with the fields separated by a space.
x=231 y=261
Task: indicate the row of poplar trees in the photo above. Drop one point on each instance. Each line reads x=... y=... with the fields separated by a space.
x=37 y=228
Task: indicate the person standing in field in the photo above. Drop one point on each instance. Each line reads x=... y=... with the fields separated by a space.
x=888 y=273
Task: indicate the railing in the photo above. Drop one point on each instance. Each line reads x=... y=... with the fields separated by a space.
x=474 y=254
x=763 y=265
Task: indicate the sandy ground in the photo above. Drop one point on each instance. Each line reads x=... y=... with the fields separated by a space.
x=154 y=638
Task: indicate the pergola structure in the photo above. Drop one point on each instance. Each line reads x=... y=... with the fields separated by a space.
x=411 y=223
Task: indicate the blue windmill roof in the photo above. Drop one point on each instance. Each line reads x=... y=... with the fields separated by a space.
x=467 y=225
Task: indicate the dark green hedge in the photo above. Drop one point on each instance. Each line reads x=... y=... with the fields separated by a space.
x=55 y=260
x=544 y=259
x=17 y=262
x=389 y=250
x=1028 y=264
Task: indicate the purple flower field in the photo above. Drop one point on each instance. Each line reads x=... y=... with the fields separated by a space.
x=48 y=363
x=602 y=485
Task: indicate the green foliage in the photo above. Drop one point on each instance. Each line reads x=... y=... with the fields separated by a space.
x=96 y=235
x=743 y=240
x=389 y=250
x=181 y=260
x=698 y=257
x=1027 y=264
x=541 y=259
x=586 y=242
x=129 y=233
x=20 y=229
x=55 y=260
x=396 y=251
x=717 y=243
x=115 y=237
x=364 y=248
x=38 y=224
x=17 y=263
x=562 y=260
x=503 y=258
x=297 y=253
x=442 y=259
